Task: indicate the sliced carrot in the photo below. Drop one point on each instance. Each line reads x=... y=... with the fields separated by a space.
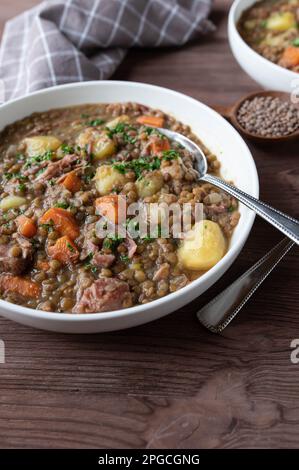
x=26 y=226
x=72 y=182
x=64 y=250
x=112 y=207
x=154 y=121
x=63 y=221
x=290 y=57
x=159 y=144
x=19 y=285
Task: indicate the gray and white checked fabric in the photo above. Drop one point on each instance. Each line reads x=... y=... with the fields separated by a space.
x=74 y=40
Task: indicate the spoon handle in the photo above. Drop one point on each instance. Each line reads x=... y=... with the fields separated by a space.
x=283 y=222
x=218 y=313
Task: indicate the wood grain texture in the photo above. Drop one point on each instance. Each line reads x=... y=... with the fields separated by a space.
x=171 y=383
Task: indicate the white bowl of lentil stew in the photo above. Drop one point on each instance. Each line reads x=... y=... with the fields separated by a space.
x=265 y=43
x=62 y=158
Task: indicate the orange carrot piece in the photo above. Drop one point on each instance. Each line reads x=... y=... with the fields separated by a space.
x=26 y=226
x=63 y=221
x=64 y=250
x=43 y=265
x=290 y=57
x=153 y=121
x=72 y=182
x=159 y=144
x=109 y=207
x=19 y=285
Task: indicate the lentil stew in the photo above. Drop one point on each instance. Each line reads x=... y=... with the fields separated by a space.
x=59 y=170
x=270 y=27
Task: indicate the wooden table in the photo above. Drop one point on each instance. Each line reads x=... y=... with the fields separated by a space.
x=171 y=383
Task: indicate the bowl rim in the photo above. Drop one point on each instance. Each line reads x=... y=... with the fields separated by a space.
x=228 y=257
x=232 y=22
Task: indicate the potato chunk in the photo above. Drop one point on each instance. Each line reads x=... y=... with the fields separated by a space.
x=150 y=184
x=118 y=120
x=281 y=21
x=203 y=246
x=108 y=178
x=12 y=202
x=102 y=146
x=40 y=144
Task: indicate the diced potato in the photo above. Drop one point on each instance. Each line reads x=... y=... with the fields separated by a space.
x=108 y=178
x=102 y=146
x=40 y=144
x=281 y=22
x=203 y=246
x=150 y=184
x=118 y=120
x=11 y=202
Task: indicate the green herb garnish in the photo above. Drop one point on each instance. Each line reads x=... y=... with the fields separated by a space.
x=170 y=155
x=22 y=187
x=296 y=42
x=138 y=165
x=67 y=149
x=112 y=241
x=62 y=205
x=95 y=122
x=38 y=159
x=49 y=226
x=70 y=247
x=122 y=129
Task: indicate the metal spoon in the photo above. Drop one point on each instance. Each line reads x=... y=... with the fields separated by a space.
x=286 y=224
x=218 y=313
x=231 y=113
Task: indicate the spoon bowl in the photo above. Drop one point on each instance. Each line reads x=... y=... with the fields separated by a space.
x=231 y=113
x=283 y=222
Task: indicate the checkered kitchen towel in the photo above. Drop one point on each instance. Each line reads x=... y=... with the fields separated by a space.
x=73 y=40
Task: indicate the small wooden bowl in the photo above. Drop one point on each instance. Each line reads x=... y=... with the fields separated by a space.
x=230 y=113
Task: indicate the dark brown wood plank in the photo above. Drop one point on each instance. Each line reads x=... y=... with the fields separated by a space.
x=171 y=383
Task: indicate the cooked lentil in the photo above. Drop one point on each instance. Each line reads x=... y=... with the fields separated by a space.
x=270 y=27
x=52 y=258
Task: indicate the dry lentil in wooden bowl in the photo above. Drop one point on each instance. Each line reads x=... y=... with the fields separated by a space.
x=57 y=166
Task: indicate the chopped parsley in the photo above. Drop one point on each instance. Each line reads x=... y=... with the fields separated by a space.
x=122 y=129
x=111 y=242
x=152 y=130
x=18 y=176
x=22 y=187
x=62 y=205
x=88 y=264
x=124 y=258
x=170 y=155
x=95 y=122
x=70 y=247
x=138 y=165
x=296 y=42
x=231 y=209
x=49 y=226
x=67 y=149
x=38 y=159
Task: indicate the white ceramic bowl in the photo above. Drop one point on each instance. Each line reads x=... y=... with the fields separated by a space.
x=221 y=137
x=269 y=75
